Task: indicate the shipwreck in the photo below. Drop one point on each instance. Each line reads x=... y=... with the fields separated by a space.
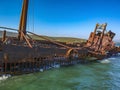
x=23 y=54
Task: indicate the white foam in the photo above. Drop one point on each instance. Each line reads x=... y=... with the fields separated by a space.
x=4 y=77
x=41 y=70
x=119 y=54
x=56 y=66
x=105 y=61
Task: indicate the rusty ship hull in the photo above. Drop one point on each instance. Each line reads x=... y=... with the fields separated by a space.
x=23 y=54
x=16 y=59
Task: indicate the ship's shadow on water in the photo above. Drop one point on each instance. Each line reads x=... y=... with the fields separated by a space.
x=89 y=76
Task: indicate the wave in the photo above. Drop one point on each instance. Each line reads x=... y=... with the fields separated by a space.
x=105 y=61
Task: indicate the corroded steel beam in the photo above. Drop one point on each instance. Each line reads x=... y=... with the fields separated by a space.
x=23 y=20
x=4 y=36
x=100 y=44
x=54 y=42
x=94 y=33
x=26 y=40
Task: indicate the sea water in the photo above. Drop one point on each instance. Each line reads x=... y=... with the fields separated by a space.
x=90 y=76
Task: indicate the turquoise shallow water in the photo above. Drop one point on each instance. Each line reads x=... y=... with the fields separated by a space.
x=92 y=76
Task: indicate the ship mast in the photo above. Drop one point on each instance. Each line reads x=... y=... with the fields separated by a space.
x=23 y=20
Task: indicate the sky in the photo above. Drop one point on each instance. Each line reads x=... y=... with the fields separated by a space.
x=67 y=18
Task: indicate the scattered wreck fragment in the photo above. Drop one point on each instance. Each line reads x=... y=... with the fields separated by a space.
x=23 y=54
x=101 y=42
